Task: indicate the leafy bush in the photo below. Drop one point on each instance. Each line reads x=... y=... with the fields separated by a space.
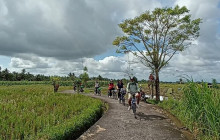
x=214 y=84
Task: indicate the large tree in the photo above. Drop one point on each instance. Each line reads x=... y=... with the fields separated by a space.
x=5 y=75
x=100 y=78
x=71 y=76
x=85 y=76
x=155 y=37
x=22 y=74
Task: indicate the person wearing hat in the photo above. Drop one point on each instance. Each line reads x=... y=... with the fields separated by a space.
x=132 y=88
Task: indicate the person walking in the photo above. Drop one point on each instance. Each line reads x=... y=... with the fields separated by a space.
x=110 y=88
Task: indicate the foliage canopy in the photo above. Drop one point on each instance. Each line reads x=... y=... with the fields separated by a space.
x=154 y=37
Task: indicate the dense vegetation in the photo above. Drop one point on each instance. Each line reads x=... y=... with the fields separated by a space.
x=6 y=75
x=198 y=108
x=35 y=107
x=35 y=112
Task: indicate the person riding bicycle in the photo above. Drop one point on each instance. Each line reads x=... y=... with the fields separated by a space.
x=81 y=87
x=132 y=88
x=110 y=88
x=96 y=87
x=120 y=85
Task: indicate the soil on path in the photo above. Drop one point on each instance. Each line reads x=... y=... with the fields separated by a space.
x=120 y=124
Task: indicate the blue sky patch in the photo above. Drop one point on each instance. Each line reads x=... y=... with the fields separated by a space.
x=110 y=52
x=4 y=61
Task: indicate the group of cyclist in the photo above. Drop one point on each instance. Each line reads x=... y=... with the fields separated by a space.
x=132 y=88
x=111 y=88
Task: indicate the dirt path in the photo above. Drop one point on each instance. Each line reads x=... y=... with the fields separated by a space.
x=119 y=124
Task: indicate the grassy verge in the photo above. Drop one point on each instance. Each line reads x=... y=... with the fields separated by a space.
x=152 y=101
x=198 y=109
x=35 y=112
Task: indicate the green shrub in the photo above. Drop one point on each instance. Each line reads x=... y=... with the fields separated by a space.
x=199 y=109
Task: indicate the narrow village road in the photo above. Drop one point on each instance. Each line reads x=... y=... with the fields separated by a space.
x=120 y=124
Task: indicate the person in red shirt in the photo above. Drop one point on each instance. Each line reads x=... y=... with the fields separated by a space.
x=110 y=88
x=151 y=84
x=151 y=77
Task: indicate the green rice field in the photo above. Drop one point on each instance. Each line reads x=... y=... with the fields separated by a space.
x=35 y=112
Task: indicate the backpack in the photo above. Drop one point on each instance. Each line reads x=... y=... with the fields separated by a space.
x=133 y=83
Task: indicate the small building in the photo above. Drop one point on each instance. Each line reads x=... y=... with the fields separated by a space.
x=209 y=85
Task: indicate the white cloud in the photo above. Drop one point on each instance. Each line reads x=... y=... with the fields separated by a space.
x=117 y=67
x=53 y=37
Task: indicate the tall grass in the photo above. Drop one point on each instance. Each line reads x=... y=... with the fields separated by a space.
x=203 y=108
x=199 y=109
x=35 y=112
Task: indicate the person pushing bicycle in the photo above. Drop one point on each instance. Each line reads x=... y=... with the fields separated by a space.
x=96 y=87
x=132 y=88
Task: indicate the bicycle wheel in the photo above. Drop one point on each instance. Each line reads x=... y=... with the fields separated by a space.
x=123 y=101
x=134 y=108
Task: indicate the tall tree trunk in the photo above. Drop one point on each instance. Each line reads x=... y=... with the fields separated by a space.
x=157 y=86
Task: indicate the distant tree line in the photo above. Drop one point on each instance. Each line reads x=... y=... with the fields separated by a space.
x=6 y=75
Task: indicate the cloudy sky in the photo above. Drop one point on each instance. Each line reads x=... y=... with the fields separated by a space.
x=55 y=37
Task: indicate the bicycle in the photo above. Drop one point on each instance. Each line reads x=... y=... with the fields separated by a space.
x=95 y=92
x=110 y=93
x=98 y=91
x=114 y=94
x=81 y=89
x=74 y=87
x=122 y=96
x=134 y=104
x=142 y=95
